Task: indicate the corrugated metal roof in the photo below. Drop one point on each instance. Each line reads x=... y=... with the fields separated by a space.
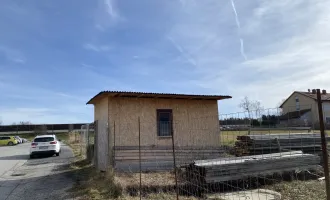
x=156 y=95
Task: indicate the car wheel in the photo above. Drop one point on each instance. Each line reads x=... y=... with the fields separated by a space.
x=10 y=143
x=58 y=154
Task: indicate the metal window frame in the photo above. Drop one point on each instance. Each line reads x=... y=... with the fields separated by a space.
x=158 y=111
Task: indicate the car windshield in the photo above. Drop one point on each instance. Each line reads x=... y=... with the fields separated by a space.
x=44 y=139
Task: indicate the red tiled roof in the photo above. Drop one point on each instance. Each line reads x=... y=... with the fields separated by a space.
x=156 y=95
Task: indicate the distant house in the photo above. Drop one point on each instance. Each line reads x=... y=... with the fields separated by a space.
x=300 y=109
x=191 y=119
x=297 y=118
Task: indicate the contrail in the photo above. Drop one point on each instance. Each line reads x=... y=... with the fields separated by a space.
x=242 y=48
x=236 y=16
x=187 y=56
x=239 y=29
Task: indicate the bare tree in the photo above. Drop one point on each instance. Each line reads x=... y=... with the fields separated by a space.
x=279 y=104
x=251 y=106
x=24 y=123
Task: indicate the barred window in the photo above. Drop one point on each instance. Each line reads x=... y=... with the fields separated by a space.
x=164 y=122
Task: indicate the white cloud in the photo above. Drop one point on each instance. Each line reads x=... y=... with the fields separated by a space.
x=87 y=66
x=13 y=55
x=287 y=43
x=97 y=48
x=110 y=8
x=38 y=115
x=107 y=14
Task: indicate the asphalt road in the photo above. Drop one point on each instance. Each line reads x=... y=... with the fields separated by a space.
x=35 y=179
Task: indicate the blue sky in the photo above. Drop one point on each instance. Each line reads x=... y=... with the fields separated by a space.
x=56 y=55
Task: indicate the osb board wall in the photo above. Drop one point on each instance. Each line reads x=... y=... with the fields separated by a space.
x=101 y=115
x=195 y=122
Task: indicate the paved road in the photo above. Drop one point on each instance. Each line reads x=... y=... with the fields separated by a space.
x=40 y=178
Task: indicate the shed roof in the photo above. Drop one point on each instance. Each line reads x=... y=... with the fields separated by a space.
x=155 y=95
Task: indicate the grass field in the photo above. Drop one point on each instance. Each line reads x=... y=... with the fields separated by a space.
x=229 y=137
x=30 y=136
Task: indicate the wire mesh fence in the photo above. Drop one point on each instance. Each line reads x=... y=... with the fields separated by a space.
x=259 y=154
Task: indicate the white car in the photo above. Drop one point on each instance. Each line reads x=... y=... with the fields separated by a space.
x=19 y=140
x=45 y=144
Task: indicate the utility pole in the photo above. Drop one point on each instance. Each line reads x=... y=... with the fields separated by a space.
x=324 y=144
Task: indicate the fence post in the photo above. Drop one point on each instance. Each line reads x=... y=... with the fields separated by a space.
x=140 y=157
x=324 y=144
x=114 y=144
x=96 y=135
x=174 y=163
x=109 y=150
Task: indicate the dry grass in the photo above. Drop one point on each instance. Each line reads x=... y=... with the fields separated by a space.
x=125 y=186
x=300 y=190
x=148 y=179
x=92 y=185
x=155 y=185
x=74 y=141
x=159 y=196
x=160 y=185
x=122 y=186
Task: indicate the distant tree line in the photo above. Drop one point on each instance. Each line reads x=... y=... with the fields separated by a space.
x=266 y=120
x=39 y=128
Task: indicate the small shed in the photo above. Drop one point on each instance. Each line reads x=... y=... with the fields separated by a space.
x=125 y=118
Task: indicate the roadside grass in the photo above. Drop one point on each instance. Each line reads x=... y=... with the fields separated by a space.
x=73 y=140
x=90 y=184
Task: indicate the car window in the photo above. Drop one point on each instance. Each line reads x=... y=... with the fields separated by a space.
x=44 y=139
x=5 y=138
